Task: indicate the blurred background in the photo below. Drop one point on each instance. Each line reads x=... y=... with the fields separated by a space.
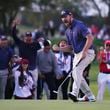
x=35 y=14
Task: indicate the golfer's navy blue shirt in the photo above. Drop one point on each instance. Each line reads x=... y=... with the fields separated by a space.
x=76 y=35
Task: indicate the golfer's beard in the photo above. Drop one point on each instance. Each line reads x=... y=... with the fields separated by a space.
x=68 y=24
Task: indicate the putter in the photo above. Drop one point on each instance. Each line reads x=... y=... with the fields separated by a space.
x=69 y=75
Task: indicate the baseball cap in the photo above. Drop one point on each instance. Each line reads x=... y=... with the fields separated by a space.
x=39 y=35
x=24 y=61
x=28 y=34
x=64 y=13
x=47 y=43
x=107 y=42
x=2 y=37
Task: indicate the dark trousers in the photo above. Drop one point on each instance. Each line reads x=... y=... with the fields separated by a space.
x=39 y=88
x=9 y=87
x=64 y=87
x=49 y=78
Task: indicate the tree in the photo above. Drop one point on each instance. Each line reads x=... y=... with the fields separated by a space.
x=107 y=2
x=97 y=6
x=8 y=11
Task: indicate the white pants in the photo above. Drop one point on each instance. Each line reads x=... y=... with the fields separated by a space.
x=77 y=74
x=103 y=80
x=35 y=78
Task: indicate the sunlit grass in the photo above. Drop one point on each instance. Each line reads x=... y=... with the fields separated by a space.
x=53 y=105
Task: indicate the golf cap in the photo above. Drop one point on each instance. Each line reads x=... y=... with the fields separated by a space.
x=64 y=13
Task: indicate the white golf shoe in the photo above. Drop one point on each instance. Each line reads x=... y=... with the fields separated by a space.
x=87 y=99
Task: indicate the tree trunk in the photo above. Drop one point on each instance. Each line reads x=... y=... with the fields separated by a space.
x=97 y=8
x=107 y=20
x=6 y=22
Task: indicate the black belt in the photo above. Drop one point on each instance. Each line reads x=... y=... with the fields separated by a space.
x=106 y=72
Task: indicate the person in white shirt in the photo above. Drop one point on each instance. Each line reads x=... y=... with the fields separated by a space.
x=24 y=84
x=64 y=62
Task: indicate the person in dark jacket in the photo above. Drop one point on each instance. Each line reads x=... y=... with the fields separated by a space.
x=6 y=54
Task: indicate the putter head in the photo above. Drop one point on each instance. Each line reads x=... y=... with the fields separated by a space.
x=55 y=91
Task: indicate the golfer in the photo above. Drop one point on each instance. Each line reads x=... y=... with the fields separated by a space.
x=80 y=41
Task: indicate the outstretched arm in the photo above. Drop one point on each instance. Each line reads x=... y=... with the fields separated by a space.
x=14 y=32
x=67 y=48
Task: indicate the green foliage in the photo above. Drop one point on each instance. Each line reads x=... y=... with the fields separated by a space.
x=44 y=2
x=8 y=11
x=98 y=42
x=13 y=5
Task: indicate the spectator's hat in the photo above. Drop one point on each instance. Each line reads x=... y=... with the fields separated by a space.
x=64 y=13
x=39 y=35
x=28 y=34
x=47 y=43
x=24 y=61
x=107 y=42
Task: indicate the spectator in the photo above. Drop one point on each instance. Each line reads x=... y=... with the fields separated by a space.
x=46 y=29
x=24 y=84
x=104 y=70
x=39 y=37
x=51 y=25
x=47 y=66
x=104 y=33
x=64 y=61
x=13 y=66
x=94 y=30
x=5 y=56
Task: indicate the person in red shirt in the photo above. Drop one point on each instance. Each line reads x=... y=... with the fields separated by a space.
x=104 y=70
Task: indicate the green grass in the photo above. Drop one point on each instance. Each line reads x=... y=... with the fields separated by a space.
x=94 y=70
x=58 y=104
x=53 y=105
x=94 y=88
x=61 y=104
